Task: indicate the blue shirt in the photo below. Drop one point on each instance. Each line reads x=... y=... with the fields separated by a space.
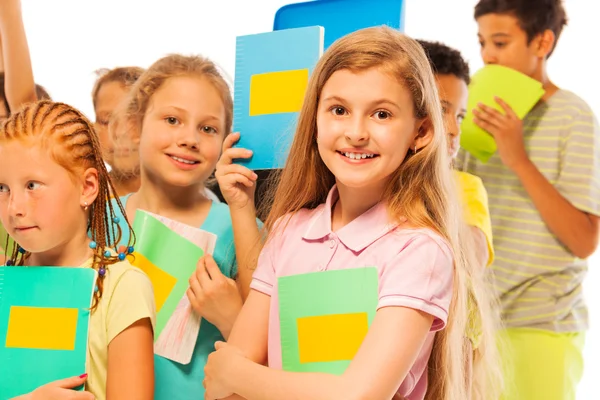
x=174 y=381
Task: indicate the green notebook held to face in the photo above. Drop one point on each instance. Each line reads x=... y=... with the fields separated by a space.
x=519 y=91
x=44 y=321
x=324 y=318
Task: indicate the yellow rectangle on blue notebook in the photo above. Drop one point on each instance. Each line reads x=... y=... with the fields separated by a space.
x=28 y=328
x=334 y=337
x=277 y=92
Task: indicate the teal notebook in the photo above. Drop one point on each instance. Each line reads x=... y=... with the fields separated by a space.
x=324 y=317
x=44 y=321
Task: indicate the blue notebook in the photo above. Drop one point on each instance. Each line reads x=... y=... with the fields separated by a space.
x=44 y=320
x=341 y=17
x=271 y=76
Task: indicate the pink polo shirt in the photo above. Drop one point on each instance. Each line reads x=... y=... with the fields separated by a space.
x=415 y=269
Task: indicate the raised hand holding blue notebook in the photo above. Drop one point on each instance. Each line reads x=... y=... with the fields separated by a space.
x=271 y=75
x=44 y=321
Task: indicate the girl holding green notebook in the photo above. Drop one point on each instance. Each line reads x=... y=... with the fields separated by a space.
x=366 y=187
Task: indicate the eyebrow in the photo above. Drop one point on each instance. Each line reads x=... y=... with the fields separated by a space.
x=448 y=104
x=372 y=104
x=496 y=35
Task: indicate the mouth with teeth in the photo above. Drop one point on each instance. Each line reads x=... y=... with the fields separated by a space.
x=183 y=160
x=357 y=156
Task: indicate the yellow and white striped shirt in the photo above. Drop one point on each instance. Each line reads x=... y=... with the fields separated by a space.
x=539 y=281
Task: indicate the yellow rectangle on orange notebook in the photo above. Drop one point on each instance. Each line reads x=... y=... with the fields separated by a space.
x=277 y=92
x=162 y=281
x=42 y=328
x=334 y=337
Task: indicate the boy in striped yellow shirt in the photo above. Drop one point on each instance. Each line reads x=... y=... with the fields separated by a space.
x=544 y=196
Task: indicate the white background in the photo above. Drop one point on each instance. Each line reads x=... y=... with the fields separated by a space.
x=70 y=39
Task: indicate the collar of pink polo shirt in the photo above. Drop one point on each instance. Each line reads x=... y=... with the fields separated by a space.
x=358 y=234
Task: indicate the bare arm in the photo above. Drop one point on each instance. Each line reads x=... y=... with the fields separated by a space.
x=247 y=244
x=131 y=363
x=376 y=372
x=481 y=247
x=19 y=83
x=576 y=229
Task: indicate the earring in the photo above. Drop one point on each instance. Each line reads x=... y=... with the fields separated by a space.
x=415 y=149
x=85 y=206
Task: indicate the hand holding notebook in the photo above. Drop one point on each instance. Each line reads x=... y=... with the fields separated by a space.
x=168 y=252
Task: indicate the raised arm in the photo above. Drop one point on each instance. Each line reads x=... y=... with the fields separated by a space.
x=19 y=85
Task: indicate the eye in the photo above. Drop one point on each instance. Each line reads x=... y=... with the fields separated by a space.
x=460 y=118
x=338 y=111
x=481 y=43
x=103 y=122
x=382 y=114
x=172 y=121
x=4 y=188
x=33 y=185
x=500 y=44
x=209 y=130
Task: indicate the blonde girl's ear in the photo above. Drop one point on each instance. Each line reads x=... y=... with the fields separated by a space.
x=423 y=135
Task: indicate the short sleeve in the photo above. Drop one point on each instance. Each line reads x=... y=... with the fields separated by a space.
x=132 y=299
x=579 y=176
x=476 y=208
x=420 y=276
x=264 y=277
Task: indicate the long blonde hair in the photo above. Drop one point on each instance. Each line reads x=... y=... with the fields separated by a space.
x=422 y=189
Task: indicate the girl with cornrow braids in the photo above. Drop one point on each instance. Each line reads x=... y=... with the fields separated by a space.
x=54 y=192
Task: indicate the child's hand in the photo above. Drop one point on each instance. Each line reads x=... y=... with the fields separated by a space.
x=216 y=370
x=237 y=183
x=507 y=131
x=213 y=296
x=61 y=390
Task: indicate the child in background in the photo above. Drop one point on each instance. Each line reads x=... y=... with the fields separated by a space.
x=544 y=197
x=366 y=183
x=180 y=113
x=54 y=207
x=451 y=72
x=110 y=90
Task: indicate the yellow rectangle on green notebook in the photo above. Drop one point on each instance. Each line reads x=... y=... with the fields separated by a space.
x=331 y=337
x=28 y=328
x=277 y=92
x=162 y=281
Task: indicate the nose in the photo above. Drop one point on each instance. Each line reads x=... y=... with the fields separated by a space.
x=188 y=136
x=16 y=205
x=488 y=55
x=356 y=131
x=452 y=127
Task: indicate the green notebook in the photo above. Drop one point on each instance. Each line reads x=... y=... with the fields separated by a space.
x=44 y=320
x=324 y=317
x=519 y=91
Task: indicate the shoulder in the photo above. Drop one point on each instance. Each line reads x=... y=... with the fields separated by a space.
x=296 y=222
x=565 y=102
x=422 y=240
x=124 y=276
x=467 y=180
